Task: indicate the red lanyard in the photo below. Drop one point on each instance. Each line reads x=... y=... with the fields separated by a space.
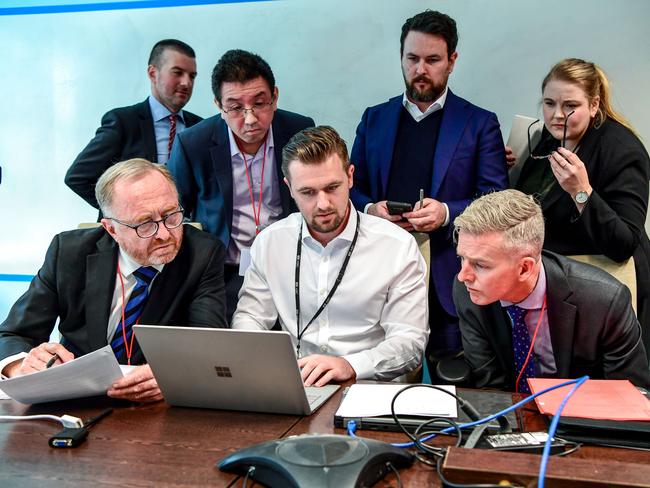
x=532 y=344
x=127 y=347
x=258 y=213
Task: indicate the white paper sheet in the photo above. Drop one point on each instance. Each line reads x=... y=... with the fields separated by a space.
x=87 y=375
x=4 y=396
x=370 y=400
x=518 y=141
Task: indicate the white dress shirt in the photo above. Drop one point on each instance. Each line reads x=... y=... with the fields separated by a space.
x=377 y=319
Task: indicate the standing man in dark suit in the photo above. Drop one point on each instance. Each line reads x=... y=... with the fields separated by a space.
x=432 y=140
x=142 y=266
x=525 y=312
x=146 y=129
x=228 y=167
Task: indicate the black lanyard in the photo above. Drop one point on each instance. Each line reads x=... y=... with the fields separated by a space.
x=331 y=293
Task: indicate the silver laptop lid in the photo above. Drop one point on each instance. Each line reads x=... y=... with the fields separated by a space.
x=226 y=369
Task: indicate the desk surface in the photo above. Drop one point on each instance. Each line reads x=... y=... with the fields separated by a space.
x=157 y=445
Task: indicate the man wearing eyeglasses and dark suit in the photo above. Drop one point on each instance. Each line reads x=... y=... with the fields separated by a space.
x=141 y=266
x=227 y=167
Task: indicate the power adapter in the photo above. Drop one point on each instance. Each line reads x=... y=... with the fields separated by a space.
x=530 y=442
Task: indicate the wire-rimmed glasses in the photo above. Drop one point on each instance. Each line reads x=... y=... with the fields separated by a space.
x=530 y=149
x=149 y=228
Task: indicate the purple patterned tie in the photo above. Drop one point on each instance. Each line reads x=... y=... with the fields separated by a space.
x=521 y=345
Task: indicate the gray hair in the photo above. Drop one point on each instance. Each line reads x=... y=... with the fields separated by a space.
x=514 y=214
x=126 y=170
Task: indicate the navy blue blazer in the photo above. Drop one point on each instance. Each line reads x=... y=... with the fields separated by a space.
x=469 y=161
x=201 y=164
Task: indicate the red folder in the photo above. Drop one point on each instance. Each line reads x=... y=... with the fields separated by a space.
x=595 y=399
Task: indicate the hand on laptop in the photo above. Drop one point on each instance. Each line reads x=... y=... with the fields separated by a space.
x=43 y=356
x=138 y=386
x=318 y=369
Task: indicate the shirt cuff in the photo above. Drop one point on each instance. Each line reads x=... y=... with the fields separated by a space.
x=365 y=209
x=8 y=360
x=446 y=222
x=362 y=365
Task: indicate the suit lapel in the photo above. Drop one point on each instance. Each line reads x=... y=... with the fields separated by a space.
x=101 y=269
x=386 y=140
x=280 y=139
x=561 y=316
x=222 y=164
x=453 y=122
x=502 y=337
x=147 y=131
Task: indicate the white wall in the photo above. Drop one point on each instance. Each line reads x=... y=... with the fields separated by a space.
x=331 y=58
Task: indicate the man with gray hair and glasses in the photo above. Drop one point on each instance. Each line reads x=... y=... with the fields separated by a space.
x=525 y=312
x=142 y=266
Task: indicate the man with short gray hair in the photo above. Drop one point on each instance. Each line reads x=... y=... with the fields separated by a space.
x=141 y=266
x=525 y=312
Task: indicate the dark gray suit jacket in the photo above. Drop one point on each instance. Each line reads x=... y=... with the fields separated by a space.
x=76 y=284
x=592 y=325
x=125 y=133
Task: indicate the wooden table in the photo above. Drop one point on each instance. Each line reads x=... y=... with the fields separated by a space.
x=158 y=445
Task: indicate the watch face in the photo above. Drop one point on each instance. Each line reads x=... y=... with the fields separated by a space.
x=582 y=196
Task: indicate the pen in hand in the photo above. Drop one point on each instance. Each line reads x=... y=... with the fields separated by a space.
x=52 y=361
x=421 y=198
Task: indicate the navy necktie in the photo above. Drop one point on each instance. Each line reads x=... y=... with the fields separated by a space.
x=521 y=345
x=133 y=310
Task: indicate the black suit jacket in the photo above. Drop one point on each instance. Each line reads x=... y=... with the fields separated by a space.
x=202 y=166
x=125 y=133
x=613 y=220
x=592 y=326
x=76 y=285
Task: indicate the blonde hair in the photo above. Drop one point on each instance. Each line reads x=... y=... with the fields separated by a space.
x=510 y=212
x=593 y=81
x=126 y=170
x=312 y=146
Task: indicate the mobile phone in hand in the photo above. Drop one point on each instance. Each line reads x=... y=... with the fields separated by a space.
x=398 y=208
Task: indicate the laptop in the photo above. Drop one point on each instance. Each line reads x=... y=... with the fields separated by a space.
x=227 y=369
x=486 y=402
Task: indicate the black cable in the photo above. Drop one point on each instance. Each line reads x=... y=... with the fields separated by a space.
x=460 y=401
x=399 y=479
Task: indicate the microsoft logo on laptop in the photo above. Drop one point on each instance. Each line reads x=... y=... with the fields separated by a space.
x=223 y=371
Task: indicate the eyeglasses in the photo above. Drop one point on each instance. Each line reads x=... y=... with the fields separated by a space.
x=149 y=228
x=241 y=112
x=530 y=148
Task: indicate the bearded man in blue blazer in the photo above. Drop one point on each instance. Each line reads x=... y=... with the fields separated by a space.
x=432 y=140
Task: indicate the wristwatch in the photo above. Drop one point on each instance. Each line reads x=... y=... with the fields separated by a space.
x=581 y=197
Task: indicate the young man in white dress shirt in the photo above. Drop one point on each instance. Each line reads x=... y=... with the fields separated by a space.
x=350 y=288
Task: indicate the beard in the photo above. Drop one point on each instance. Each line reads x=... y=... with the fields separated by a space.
x=325 y=228
x=158 y=255
x=428 y=95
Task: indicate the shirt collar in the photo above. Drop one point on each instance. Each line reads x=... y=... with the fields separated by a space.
x=234 y=149
x=535 y=300
x=128 y=265
x=160 y=112
x=416 y=113
x=346 y=235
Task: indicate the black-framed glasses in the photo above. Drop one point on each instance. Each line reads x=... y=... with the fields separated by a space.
x=149 y=228
x=257 y=108
x=530 y=148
